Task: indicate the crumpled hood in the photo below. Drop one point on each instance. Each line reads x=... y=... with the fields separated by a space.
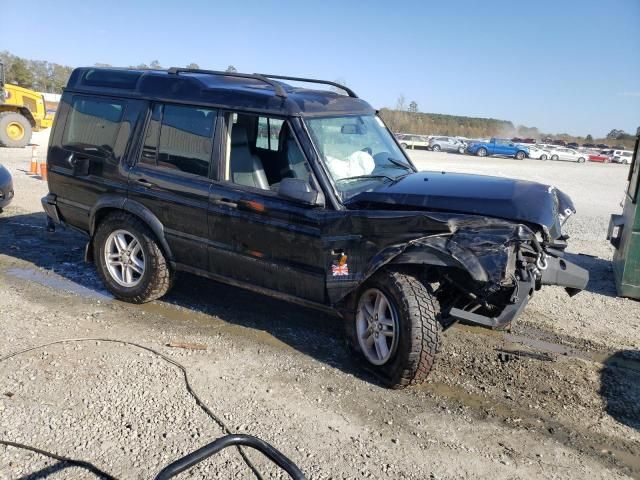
x=516 y=200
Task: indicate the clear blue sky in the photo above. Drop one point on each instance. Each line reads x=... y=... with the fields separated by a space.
x=563 y=66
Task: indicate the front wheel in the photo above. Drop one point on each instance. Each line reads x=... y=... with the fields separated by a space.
x=396 y=328
x=436 y=148
x=482 y=152
x=129 y=260
x=543 y=157
x=461 y=150
x=520 y=155
x=403 y=145
x=554 y=157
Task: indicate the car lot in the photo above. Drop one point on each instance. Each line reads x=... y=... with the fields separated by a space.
x=509 y=406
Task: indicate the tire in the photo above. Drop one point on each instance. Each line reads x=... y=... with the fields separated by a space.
x=543 y=157
x=436 y=148
x=156 y=278
x=520 y=155
x=461 y=151
x=15 y=130
x=403 y=145
x=417 y=312
x=482 y=152
x=554 y=157
x=581 y=160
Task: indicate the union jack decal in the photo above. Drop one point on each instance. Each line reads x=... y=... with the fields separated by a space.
x=340 y=270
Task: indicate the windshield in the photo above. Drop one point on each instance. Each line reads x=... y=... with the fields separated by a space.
x=359 y=152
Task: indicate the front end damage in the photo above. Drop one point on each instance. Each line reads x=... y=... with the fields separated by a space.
x=497 y=266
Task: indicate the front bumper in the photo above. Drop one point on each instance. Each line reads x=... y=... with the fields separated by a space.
x=49 y=205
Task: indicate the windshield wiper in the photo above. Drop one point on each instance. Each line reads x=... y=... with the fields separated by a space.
x=362 y=177
x=399 y=163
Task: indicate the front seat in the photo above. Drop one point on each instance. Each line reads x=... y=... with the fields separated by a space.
x=244 y=167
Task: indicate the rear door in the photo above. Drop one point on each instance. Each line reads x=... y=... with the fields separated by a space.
x=172 y=177
x=87 y=152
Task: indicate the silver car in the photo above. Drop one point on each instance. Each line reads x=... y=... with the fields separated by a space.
x=447 y=144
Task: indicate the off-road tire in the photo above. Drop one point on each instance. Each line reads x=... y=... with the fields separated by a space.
x=157 y=278
x=436 y=148
x=482 y=152
x=554 y=157
x=7 y=118
x=520 y=155
x=420 y=329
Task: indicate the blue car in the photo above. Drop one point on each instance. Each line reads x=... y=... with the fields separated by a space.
x=498 y=146
x=6 y=188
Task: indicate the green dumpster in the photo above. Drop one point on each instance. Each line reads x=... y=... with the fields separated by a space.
x=624 y=235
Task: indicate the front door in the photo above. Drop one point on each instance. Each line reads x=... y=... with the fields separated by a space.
x=258 y=237
x=172 y=177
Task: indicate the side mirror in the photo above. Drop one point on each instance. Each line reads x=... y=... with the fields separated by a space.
x=300 y=190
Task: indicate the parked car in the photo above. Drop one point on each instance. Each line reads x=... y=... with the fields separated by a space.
x=6 y=187
x=604 y=156
x=573 y=145
x=498 y=146
x=414 y=142
x=168 y=171
x=602 y=145
x=622 y=156
x=447 y=144
x=538 y=152
x=567 y=154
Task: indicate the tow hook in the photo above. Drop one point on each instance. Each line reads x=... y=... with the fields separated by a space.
x=541 y=262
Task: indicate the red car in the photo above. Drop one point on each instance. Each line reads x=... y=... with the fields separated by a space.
x=603 y=157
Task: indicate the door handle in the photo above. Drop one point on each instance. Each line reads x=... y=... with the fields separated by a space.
x=225 y=202
x=144 y=183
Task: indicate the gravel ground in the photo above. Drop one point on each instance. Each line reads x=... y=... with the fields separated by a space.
x=557 y=398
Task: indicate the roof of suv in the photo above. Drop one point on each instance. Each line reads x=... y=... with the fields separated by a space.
x=264 y=93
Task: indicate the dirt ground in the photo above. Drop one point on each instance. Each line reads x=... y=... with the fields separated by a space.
x=557 y=398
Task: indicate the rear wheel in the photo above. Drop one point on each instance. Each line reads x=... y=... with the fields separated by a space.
x=482 y=152
x=403 y=145
x=581 y=160
x=436 y=148
x=129 y=259
x=543 y=157
x=396 y=328
x=461 y=150
x=15 y=130
x=554 y=157
x=520 y=155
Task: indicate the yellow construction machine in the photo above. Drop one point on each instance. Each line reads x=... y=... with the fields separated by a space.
x=22 y=111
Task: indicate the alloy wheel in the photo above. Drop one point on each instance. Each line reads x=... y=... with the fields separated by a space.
x=377 y=326
x=124 y=258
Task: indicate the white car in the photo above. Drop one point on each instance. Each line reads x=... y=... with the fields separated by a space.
x=622 y=156
x=561 y=153
x=538 y=152
x=413 y=142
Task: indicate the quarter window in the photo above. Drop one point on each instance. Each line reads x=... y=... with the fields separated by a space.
x=93 y=126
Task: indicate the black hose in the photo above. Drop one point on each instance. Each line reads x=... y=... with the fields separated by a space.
x=164 y=357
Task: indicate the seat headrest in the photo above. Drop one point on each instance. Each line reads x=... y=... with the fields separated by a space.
x=239 y=136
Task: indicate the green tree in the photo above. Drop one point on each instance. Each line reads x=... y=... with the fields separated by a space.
x=231 y=69
x=588 y=138
x=19 y=74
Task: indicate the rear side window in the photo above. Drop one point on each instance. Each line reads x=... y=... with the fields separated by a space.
x=268 y=133
x=180 y=138
x=92 y=126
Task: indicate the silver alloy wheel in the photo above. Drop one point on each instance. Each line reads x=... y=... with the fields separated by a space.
x=543 y=157
x=124 y=258
x=377 y=327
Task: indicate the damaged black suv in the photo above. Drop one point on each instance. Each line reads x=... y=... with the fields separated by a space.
x=299 y=193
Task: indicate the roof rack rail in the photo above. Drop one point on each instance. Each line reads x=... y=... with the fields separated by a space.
x=350 y=92
x=280 y=92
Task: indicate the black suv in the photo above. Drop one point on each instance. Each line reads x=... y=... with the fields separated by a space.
x=299 y=193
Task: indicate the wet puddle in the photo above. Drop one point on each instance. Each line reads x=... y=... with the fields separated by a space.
x=57 y=282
